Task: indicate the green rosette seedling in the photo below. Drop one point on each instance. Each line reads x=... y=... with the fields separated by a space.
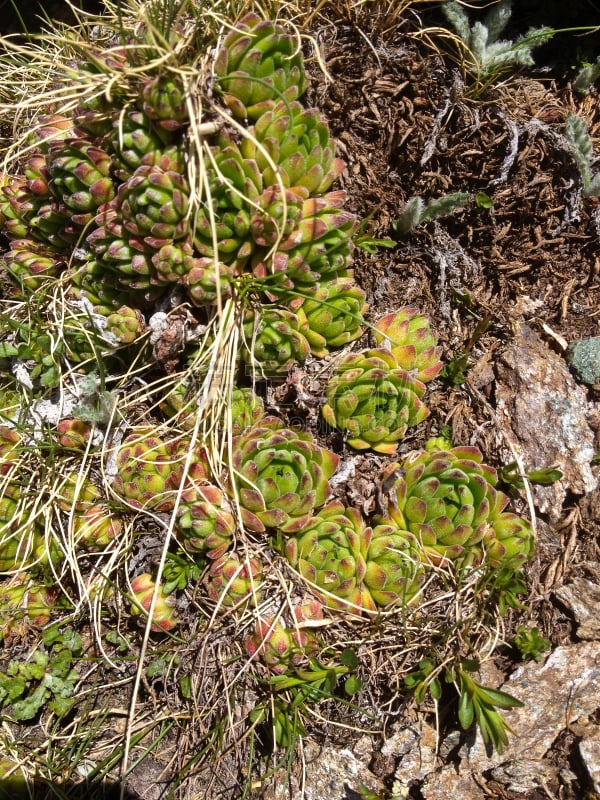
x=296 y=141
x=23 y=602
x=258 y=65
x=148 y=471
x=318 y=249
x=411 y=341
x=447 y=499
x=333 y=314
x=274 y=340
x=330 y=552
x=373 y=401
x=164 y=102
x=395 y=572
x=205 y=523
x=246 y=409
x=164 y=615
x=231 y=581
x=280 y=476
x=283 y=649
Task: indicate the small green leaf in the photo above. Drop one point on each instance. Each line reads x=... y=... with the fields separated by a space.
x=185 y=686
x=498 y=698
x=61 y=705
x=435 y=688
x=546 y=476
x=466 y=710
x=349 y=659
x=482 y=200
x=352 y=685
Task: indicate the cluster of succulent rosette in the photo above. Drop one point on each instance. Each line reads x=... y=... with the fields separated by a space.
x=104 y=207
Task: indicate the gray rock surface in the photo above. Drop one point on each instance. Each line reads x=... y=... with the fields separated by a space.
x=582 y=598
x=584 y=358
x=544 y=415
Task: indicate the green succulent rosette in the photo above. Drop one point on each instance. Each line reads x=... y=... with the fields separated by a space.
x=208 y=281
x=153 y=205
x=231 y=581
x=330 y=552
x=147 y=471
x=30 y=263
x=163 y=101
x=247 y=409
x=280 y=648
x=205 y=522
x=395 y=572
x=333 y=314
x=447 y=499
x=125 y=325
x=258 y=64
x=318 y=249
x=235 y=185
x=373 y=401
x=164 y=615
x=80 y=177
x=279 y=475
x=291 y=145
x=274 y=340
x=29 y=210
x=136 y=142
x=115 y=249
x=411 y=341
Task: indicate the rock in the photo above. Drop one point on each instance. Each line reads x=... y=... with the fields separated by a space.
x=331 y=773
x=447 y=784
x=582 y=598
x=589 y=750
x=583 y=357
x=417 y=747
x=543 y=415
x=555 y=694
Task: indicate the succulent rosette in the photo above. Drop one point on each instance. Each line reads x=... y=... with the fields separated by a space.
x=29 y=263
x=447 y=499
x=207 y=281
x=231 y=581
x=278 y=647
x=22 y=602
x=125 y=325
x=153 y=205
x=281 y=475
x=296 y=141
x=395 y=572
x=28 y=210
x=163 y=101
x=333 y=314
x=330 y=552
x=205 y=521
x=116 y=250
x=258 y=64
x=275 y=339
x=247 y=409
x=318 y=249
x=135 y=142
x=373 y=401
x=235 y=188
x=164 y=616
x=80 y=177
x=411 y=341
x=147 y=471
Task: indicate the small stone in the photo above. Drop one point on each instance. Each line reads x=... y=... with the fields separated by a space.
x=582 y=598
x=589 y=750
x=583 y=357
